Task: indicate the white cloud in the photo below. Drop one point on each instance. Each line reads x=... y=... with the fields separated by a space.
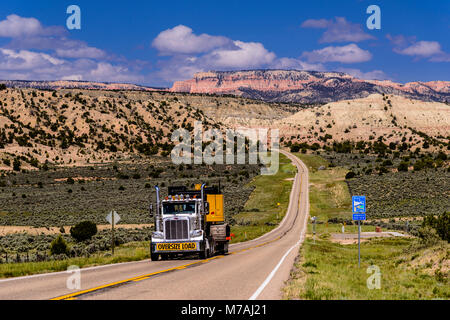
x=177 y=68
x=15 y=26
x=112 y=73
x=247 y=55
x=346 y=54
x=23 y=59
x=30 y=65
x=74 y=77
x=400 y=40
x=28 y=33
x=82 y=52
x=430 y=50
x=297 y=64
x=422 y=48
x=339 y=30
x=192 y=53
x=316 y=23
x=181 y=40
x=370 y=75
x=62 y=58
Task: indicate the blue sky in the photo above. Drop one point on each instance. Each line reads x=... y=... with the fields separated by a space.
x=157 y=42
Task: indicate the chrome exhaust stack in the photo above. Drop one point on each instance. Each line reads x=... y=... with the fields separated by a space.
x=158 y=211
x=203 y=196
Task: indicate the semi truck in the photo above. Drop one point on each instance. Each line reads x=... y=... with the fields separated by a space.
x=189 y=222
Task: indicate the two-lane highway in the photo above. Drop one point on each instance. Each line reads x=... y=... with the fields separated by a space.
x=254 y=269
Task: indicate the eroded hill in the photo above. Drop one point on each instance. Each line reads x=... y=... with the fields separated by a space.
x=393 y=118
x=74 y=127
x=77 y=127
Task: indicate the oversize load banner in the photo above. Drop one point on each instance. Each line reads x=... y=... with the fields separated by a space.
x=176 y=246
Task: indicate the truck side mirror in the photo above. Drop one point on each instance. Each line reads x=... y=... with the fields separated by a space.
x=151 y=210
x=207 y=207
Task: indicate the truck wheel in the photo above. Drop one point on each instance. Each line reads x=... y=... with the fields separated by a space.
x=225 y=248
x=164 y=256
x=154 y=256
x=205 y=253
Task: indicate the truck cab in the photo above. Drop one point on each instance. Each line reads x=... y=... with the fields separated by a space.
x=189 y=222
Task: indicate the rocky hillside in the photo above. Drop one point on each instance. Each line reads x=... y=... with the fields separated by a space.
x=76 y=127
x=70 y=84
x=306 y=86
x=390 y=118
x=79 y=127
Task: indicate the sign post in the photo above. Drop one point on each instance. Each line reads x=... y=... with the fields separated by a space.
x=278 y=210
x=359 y=213
x=314 y=228
x=112 y=218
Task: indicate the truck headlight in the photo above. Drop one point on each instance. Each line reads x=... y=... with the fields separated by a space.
x=196 y=233
x=158 y=235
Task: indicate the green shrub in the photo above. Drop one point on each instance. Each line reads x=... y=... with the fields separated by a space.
x=16 y=164
x=403 y=166
x=350 y=175
x=428 y=236
x=295 y=148
x=83 y=231
x=59 y=246
x=441 y=224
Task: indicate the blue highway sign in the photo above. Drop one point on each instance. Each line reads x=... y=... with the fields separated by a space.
x=359 y=216
x=359 y=204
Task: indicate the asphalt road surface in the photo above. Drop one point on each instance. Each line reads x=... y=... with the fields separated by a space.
x=254 y=269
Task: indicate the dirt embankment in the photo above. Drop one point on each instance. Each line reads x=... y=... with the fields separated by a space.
x=5 y=230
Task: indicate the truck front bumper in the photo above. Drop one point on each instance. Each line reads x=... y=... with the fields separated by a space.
x=177 y=246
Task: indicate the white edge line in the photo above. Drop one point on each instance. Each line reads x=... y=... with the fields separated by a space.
x=81 y=270
x=274 y=271
x=282 y=222
x=140 y=261
x=270 y=276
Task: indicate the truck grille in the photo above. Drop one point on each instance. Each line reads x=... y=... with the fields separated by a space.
x=176 y=229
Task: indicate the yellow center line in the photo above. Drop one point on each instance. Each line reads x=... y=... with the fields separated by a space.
x=72 y=296
x=141 y=279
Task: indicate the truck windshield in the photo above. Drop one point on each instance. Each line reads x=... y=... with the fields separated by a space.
x=179 y=208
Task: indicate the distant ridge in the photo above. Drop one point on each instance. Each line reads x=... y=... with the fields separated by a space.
x=289 y=86
x=306 y=86
x=74 y=84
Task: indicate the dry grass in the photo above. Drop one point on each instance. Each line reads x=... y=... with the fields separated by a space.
x=329 y=270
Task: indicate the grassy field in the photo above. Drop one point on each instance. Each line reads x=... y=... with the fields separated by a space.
x=328 y=270
x=415 y=192
x=132 y=251
x=260 y=215
x=261 y=212
x=68 y=195
x=329 y=196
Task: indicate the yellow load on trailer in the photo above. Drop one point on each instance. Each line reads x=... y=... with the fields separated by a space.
x=215 y=208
